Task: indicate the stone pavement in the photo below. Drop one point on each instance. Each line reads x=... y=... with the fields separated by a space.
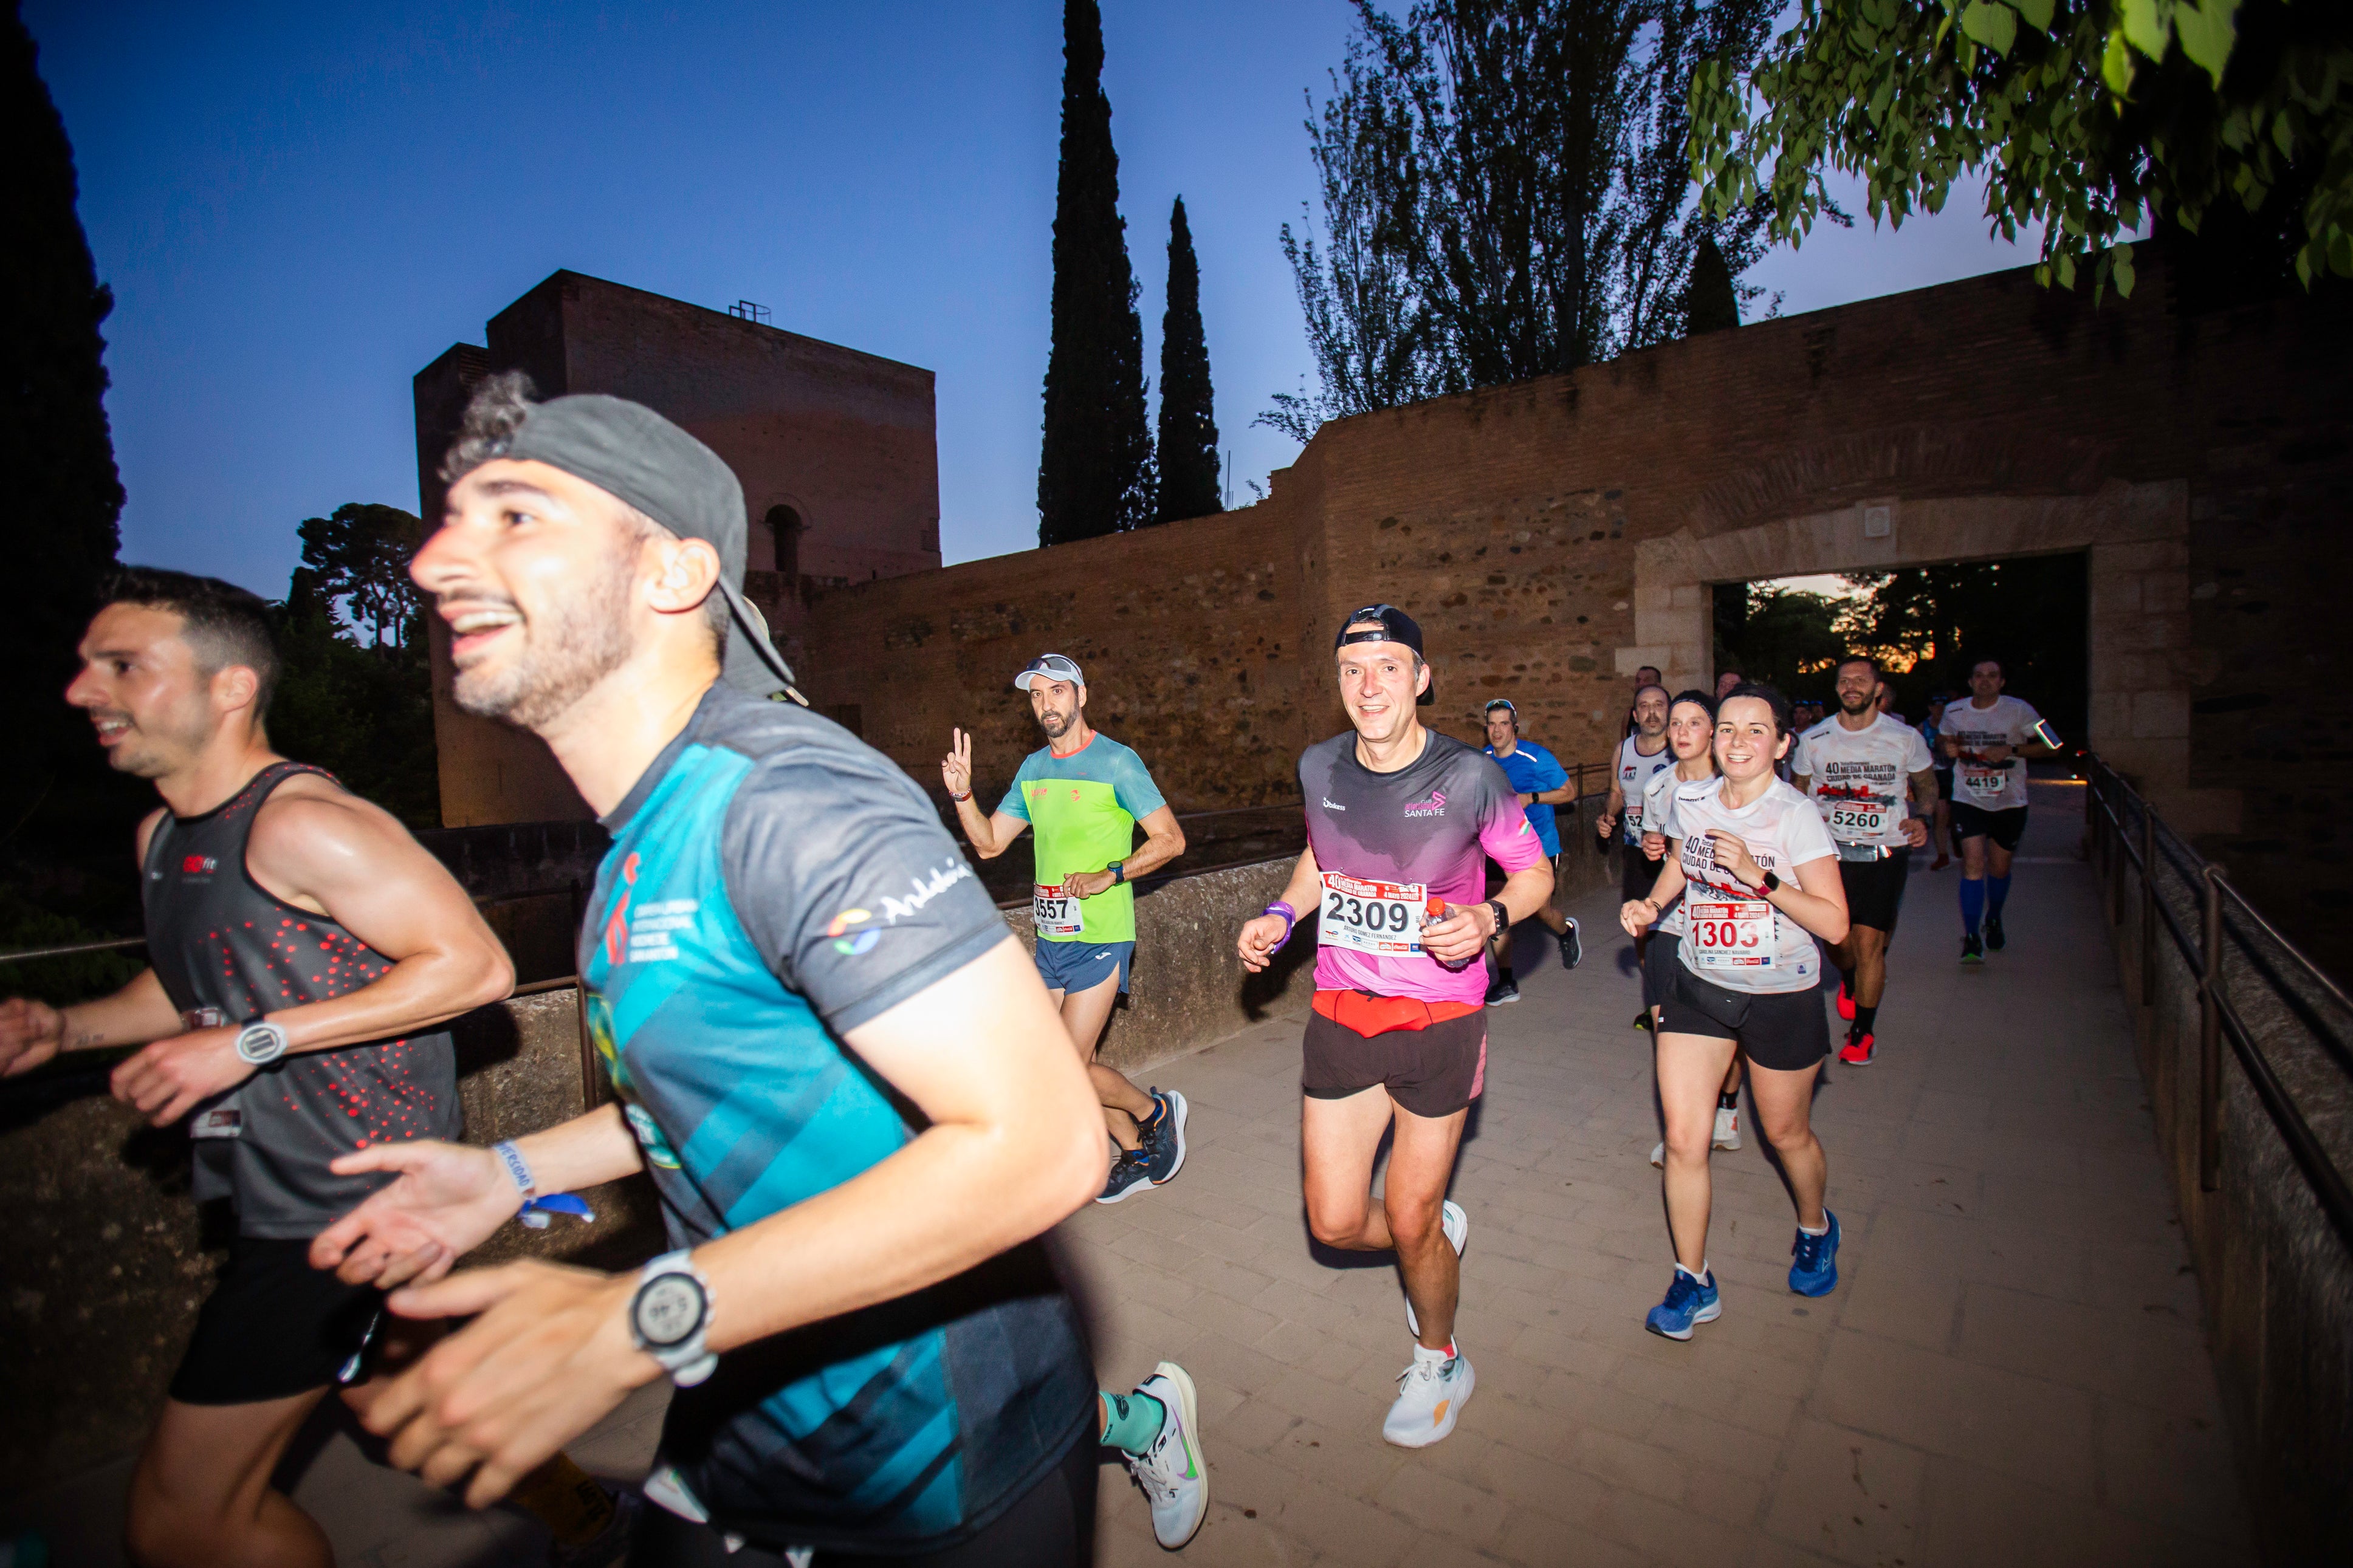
x=2010 y=1369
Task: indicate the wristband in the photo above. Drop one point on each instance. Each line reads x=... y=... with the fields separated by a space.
x=1289 y=919
x=518 y=1168
x=960 y=799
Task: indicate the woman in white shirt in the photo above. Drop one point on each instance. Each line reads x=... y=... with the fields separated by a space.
x=1760 y=881
x=1691 y=736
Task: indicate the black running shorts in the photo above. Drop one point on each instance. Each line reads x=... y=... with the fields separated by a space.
x=1784 y=1031
x=1874 y=889
x=273 y=1327
x=1944 y=783
x=1433 y=1071
x=1659 y=967
x=2004 y=827
x=1637 y=872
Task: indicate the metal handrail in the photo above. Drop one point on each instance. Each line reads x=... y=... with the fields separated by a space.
x=2217 y=1019
x=70 y=948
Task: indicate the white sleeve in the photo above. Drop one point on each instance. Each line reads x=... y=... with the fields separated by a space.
x=1916 y=759
x=2023 y=723
x=1806 y=839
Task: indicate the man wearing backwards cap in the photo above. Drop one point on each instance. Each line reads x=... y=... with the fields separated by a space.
x=781 y=947
x=1400 y=824
x=1086 y=794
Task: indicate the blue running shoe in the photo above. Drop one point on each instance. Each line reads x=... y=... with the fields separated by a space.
x=1814 y=1270
x=1164 y=1140
x=1131 y=1172
x=1688 y=1301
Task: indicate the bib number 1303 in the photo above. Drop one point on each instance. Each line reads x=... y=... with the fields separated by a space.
x=1731 y=935
x=1383 y=919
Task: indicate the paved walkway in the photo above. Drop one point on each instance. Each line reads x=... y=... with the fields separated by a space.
x=2010 y=1371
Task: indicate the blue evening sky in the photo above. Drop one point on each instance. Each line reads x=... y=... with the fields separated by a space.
x=298 y=206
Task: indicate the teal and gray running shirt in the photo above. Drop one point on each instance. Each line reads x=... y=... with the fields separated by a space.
x=772 y=884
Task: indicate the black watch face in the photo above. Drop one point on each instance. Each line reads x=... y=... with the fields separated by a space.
x=668 y=1309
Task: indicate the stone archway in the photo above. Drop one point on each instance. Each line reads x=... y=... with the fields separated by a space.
x=2137 y=538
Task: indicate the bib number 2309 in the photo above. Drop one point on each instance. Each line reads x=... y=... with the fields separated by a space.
x=1732 y=933
x=1383 y=919
x=1055 y=913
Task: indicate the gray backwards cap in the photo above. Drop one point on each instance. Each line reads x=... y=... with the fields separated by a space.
x=634 y=453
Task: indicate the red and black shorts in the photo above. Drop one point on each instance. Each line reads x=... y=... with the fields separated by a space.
x=1430 y=1055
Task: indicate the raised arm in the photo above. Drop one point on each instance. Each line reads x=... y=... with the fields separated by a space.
x=988 y=835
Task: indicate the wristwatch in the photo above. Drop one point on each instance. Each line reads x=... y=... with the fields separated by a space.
x=1771 y=884
x=260 y=1043
x=1118 y=869
x=1503 y=915
x=668 y=1314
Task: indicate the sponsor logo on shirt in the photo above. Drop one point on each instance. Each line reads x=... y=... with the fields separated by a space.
x=1434 y=806
x=846 y=944
x=1330 y=805
x=198 y=865
x=650 y=929
x=922 y=890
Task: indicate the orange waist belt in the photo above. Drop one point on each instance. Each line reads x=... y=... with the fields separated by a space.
x=1369 y=1015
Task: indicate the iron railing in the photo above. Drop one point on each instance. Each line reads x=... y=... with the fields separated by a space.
x=2126 y=830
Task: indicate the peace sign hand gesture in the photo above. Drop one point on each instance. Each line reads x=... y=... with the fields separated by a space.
x=956 y=768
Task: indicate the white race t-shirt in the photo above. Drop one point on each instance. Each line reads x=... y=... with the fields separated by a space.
x=1731 y=935
x=1860 y=779
x=1656 y=795
x=1990 y=786
x=1634 y=771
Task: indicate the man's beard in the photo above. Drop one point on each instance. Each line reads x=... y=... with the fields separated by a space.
x=1866 y=705
x=577 y=643
x=1056 y=725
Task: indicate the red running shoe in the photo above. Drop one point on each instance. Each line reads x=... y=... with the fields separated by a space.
x=1846 y=1001
x=1859 y=1050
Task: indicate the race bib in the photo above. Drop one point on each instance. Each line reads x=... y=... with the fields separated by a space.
x=1980 y=778
x=1854 y=819
x=1383 y=919
x=220 y=1121
x=1633 y=819
x=1729 y=933
x=1055 y=913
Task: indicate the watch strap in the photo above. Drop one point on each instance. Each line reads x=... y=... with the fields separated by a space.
x=1503 y=915
x=688 y=1361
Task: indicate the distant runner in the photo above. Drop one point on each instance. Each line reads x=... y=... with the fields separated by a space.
x=1086 y=794
x=1860 y=767
x=1400 y=822
x=1989 y=739
x=1691 y=732
x=1932 y=733
x=1543 y=785
x=1641 y=757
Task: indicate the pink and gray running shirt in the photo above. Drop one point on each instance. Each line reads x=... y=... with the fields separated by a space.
x=1433 y=825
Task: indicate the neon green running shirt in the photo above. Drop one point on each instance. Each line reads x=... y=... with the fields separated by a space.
x=1083 y=808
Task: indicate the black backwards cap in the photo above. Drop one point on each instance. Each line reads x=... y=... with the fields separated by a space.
x=634 y=454
x=1396 y=625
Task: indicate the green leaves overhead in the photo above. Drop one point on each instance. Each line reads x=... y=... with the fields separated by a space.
x=2090 y=117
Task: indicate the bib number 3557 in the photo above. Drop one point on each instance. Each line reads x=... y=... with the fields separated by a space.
x=1731 y=933
x=1383 y=919
x=1055 y=913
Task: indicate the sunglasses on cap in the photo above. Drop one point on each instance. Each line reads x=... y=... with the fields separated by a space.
x=1048 y=667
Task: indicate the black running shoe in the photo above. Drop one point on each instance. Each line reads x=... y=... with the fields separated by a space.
x=1130 y=1174
x=1642 y=1019
x=1164 y=1140
x=1972 y=950
x=1572 y=951
x=1994 y=940
x=1502 y=991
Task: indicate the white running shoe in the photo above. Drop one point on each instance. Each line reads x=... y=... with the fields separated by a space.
x=1727 y=1127
x=1658 y=1155
x=1174 y=1475
x=1431 y=1394
x=1457 y=1226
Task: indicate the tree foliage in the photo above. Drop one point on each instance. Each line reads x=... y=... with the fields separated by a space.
x=1506 y=193
x=2091 y=117
x=356 y=693
x=1786 y=637
x=1711 y=303
x=1095 y=465
x=2029 y=613
x=1188 y=423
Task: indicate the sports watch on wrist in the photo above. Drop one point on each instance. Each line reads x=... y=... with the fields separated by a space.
x=1118 y=869
x=1503 y=915
x=668 y=1314
x=1771 y=884
x=260 y=1043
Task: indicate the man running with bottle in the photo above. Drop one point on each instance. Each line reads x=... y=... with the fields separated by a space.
x=1086 y=794
x=1988 y=738
x=1400 y=823
x=1860 y=766
x=1543 y=785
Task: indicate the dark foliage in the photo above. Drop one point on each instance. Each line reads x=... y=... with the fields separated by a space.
x=1094 y=467
x=1188 y=423
x=1783 y=637
x=1710 y=304
x=2031 y=614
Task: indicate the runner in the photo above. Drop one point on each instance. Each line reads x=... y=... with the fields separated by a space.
x=1858 y=766
x=1399 y=817
x=1543 y=785
x=1988 y=738
x=854 y=1099
x=1746 y=976
x=1641 y=757
x=1644 y=675
x=1691 y=732
x=1932 y=731
x=304 y=951
x=1086 y=794
x=1726 y=681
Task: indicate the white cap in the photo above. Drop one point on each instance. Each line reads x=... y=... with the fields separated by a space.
x=1049 y=666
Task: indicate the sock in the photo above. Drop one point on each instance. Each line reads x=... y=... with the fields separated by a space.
x=1822 y=1229
x=1423 y=1353
x=1973 y=899
x=1503 y=974
x=1699 y=1279
x=1131 y=1421
x=1846 y=981
x=1863 y=1019
x=1997 y=894
x=1727 y=1100
x=566 y=1498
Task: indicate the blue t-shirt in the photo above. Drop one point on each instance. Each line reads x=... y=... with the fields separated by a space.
x=1533 y=770
x=772 y=884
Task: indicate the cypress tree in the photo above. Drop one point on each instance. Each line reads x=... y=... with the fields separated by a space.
x=1094 y=467
x=1189 y=424
x=1709 y=303
x=64 y=494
